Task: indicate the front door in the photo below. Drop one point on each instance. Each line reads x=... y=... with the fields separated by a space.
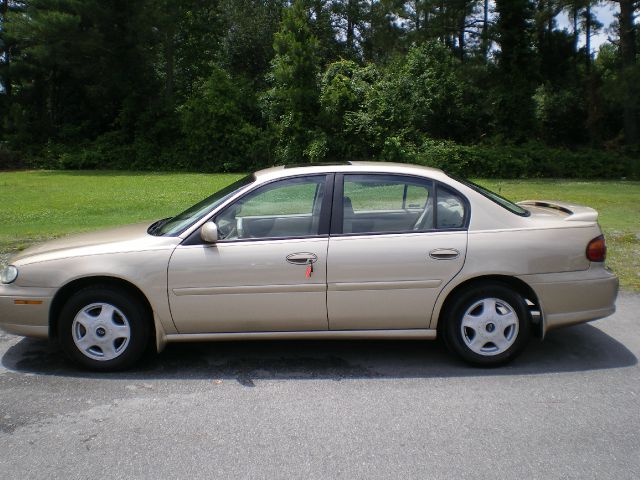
x=268 y=270
x=398 y=241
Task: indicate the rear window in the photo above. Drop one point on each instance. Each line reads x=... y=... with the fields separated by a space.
x=494 y=197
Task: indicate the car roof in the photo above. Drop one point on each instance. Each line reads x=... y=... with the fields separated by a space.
x=348 y=167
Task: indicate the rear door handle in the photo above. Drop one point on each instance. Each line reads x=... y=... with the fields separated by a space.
x=303 y=258
x=444 y=253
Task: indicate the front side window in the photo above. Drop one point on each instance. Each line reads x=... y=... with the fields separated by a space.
x=386 y=203
x=286 y=208
x=175 y=225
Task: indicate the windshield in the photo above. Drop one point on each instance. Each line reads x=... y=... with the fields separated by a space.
x=503 y=202
x=175 y=225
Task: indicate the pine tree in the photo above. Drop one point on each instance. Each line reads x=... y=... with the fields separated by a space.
x=292 y=102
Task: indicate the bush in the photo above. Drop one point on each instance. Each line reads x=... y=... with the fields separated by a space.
x=529 y=160
x=9 y=160
x=216 y=124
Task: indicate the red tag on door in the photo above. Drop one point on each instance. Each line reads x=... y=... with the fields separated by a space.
x=309 y=270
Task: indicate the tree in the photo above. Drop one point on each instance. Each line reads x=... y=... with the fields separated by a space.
x=247 y=43
x=385 y=36
x=515 y=76
x=485 y=30
x=345 y=89
x=292 y=102
x=77 y=67
x=218 y=123
x=627 y=33
x=5 y=70
x=5 y=53
x=352 y=17
x=421 y=95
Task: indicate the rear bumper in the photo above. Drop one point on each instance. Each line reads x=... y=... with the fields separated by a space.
x=25 y=310
x=574 y=297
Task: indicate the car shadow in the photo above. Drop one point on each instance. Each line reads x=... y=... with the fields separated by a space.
x=573 y=349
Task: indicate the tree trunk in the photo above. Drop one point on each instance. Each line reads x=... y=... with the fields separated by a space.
x=540 y=23
x=6 y=80
x=485 y=30
x=169 y=64
x=628 y=57
x=627 y=32
x=350 y=25
x=594 y=108
x=462 y=21
x=587 y=34
x=576 y=33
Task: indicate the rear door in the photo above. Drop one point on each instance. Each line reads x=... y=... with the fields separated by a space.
x=396 y=241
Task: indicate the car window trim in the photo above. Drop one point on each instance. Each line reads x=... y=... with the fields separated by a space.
x=323 y=226
x=337 y=208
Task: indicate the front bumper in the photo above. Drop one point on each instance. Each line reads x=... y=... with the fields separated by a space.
x=25 y=310
x=574 y=297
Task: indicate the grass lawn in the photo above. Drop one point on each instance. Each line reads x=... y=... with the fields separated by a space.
x=39 y=205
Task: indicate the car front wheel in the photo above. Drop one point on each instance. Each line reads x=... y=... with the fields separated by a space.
x=488 y=325
x=103 y=328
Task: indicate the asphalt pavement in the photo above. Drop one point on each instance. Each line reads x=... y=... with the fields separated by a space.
x=568 y=408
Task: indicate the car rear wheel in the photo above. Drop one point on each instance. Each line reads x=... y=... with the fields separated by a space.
x=103 y=328
x=488 y=325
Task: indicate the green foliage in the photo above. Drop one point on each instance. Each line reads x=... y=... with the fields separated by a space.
x=345 y=88
x=77 y=64
x=292 y=102
x=230 y=85
x=560 y=114
x=512 y=93
x=424 y=94
x=216 y=123
x=529 y=160
x=9 y=160
x=372 y=112
x=247 y=45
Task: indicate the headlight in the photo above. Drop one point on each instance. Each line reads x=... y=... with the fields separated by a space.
x=8 y=274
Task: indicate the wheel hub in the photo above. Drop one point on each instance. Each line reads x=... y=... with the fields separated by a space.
x=489 y=327
x=101 y=331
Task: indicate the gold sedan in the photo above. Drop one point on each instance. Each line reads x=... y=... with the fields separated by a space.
x=359 y=250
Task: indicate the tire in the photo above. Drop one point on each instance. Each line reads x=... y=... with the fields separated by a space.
x=103 y=328
x=488 y=325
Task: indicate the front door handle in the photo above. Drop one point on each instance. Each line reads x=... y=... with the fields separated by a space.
x=444 y=253
x=303 y=258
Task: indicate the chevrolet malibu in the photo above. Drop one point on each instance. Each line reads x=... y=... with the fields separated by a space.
x=346 y=251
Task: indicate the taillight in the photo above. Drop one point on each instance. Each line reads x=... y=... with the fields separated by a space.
x=597 y=249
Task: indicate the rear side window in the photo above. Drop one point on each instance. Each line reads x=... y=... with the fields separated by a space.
x=382 y=203
x=494 y=197
x=386 y=203
x=450 y=209
x=376 y=193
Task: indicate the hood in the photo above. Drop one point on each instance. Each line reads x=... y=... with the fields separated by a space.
x=121 y=239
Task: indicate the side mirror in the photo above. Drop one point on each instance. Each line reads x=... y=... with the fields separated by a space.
x=209 y=232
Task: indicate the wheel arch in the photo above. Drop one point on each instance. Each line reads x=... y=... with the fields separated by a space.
x=65 y=292
x=531 y=299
